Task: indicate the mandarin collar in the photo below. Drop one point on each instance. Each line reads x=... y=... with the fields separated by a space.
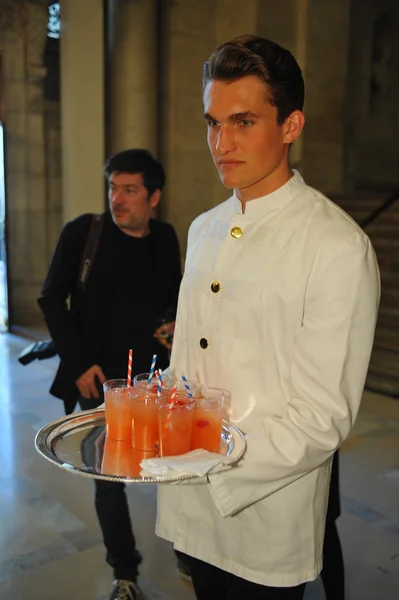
x=265 y=205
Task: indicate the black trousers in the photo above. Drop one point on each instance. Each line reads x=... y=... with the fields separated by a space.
x=211 y=583
x=114 y=519
x=333 y=573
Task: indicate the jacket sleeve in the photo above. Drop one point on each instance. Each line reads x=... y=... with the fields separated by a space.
x=327 y=374
x=54 y=299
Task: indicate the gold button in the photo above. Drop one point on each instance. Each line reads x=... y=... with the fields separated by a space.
x=204 y=343
x=215 y=287
x=236 y=232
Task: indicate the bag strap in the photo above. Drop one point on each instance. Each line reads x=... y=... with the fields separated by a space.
x=90 y=251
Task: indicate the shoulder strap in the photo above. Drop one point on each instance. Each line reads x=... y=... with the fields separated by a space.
x=90 y=251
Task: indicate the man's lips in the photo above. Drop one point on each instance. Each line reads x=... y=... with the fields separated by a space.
x=230 y=161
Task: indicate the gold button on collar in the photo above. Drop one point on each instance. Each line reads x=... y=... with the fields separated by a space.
x=204 y=343
x=215 y=287
x=236 y=232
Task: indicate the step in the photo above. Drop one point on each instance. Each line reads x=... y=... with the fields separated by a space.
x=385 y=363
x=390 y=282
x=388 y=315
x=379 y=241
x=383 y=385
x=387 y=339
x=389 y=216
x=386 y=249
x=389 y=297
x=388 y=263
x=388 y=230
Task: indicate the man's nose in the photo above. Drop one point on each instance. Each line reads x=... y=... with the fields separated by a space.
x=116 y=196
x=225 y=140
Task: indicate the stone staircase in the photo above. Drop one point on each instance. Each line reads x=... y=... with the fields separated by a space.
x=383 y=375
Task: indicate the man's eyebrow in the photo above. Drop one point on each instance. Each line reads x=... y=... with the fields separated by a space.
x=235 y=116
x=243 y=115
x=124 y=185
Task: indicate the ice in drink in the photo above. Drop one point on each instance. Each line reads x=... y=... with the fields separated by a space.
x=175 y=425
x=144 y=418
x=118 y=425
x=208 y=417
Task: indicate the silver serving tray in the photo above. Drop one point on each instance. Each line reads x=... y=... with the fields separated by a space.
x=76 y=443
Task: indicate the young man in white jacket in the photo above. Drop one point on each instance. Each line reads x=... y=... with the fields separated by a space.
x=278 y=305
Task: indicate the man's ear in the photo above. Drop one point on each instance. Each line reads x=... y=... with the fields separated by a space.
x=155 y=198
x=293 y=126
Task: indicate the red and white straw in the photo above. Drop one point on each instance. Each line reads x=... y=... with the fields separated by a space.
x=170 y=408
x=129 y=368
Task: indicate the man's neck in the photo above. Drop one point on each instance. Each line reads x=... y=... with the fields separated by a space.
x=136 y=233
x=264 y=186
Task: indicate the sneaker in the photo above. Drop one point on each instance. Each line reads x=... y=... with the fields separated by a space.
x=126 y=590
x=183 y=570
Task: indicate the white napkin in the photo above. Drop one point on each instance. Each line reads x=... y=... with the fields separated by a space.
x=197 y=462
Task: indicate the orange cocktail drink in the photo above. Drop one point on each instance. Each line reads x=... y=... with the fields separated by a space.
x=118 y=425
x=176 y=418
x=208 y=417
x=144 y=416
x=175 y=426
x=144 y=412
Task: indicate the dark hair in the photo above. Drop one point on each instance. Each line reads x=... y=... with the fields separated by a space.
x=252 y=55
x=138 y=160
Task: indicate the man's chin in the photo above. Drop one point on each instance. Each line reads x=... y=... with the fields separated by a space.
x=229 y=182
x=120 y=220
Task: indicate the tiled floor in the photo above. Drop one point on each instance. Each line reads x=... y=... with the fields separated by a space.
x=50 y=545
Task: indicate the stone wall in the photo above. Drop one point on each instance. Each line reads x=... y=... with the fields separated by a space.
x=23 y=27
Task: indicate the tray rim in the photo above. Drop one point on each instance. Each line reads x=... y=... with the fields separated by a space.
x=48 y=432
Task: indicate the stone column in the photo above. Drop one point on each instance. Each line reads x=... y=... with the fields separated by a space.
x=82 y=107
x=191 y=30
x=133 y=75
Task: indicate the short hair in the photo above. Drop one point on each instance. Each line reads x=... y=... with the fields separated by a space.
x=138 y=160
x=275 y=66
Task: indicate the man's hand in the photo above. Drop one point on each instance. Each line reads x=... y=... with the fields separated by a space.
x=87 y=382
x=164 y=334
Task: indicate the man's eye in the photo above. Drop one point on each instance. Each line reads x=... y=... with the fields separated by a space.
x=213 y=124
x=245 y=123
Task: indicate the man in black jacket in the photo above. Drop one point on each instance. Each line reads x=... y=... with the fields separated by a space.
x=132 y=286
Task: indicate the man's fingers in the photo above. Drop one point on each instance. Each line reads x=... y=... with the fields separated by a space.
x=100 y=374
x=93 y=388
x=83 y=390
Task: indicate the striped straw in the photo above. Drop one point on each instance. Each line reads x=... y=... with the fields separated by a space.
x=160 y=382
x=152 y=369
x=129 y=368
x=189 y=394
x=170 y=408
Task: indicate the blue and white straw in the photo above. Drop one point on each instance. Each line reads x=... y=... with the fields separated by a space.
x=152 y=369
x=159 y=389
x=189 y=394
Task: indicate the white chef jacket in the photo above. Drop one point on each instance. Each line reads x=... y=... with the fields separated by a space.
x=289 y=334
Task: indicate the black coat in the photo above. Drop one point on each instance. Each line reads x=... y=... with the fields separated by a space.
x=77 y=318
